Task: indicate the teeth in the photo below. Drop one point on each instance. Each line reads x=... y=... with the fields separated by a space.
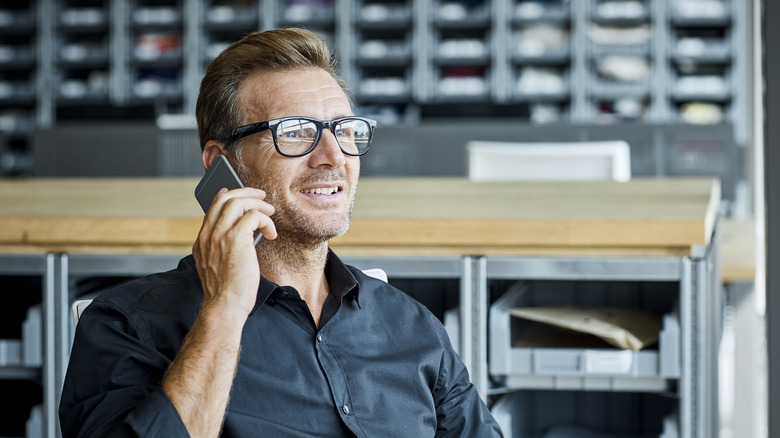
x=321 y=191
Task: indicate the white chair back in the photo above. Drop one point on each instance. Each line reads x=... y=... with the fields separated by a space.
x=78 y=306
x=574 y=161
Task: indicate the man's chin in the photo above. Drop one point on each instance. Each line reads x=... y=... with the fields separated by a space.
x=325 y=234
x=312 y=234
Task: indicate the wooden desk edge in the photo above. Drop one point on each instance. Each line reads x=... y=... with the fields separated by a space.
x=357 y=251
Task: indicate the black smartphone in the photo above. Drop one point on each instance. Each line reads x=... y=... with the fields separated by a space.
x=220 y=174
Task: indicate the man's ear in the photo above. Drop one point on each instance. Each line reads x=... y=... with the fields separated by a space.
x=211 y=151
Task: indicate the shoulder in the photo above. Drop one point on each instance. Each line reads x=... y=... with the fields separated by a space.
x=386 y=302
x=170 y=291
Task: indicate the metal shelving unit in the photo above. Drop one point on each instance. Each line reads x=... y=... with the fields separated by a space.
x=686 y=382
x=27 y=364
x=81 y=53
x=20 y=77
x=591 y=61
x=379 y=57
x=541 y=48
x=682 y=389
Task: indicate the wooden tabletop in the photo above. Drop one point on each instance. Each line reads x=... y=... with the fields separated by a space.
x=403 y=216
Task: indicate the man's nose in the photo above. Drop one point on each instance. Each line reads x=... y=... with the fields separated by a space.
x=328 y=150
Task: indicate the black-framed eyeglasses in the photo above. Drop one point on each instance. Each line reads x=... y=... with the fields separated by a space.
x=298 y=136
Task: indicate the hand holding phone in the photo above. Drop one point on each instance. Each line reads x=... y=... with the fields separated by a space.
x=219 y=175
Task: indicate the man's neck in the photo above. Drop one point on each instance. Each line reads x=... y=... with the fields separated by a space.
x=300 y=266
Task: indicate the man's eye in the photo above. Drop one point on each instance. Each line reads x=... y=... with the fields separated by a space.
x=291 y=134
x=346 y=133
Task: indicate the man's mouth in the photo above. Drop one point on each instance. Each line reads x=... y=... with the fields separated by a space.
x=321 y=191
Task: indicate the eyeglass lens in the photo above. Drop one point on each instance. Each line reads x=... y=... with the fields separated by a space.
x=297 y=136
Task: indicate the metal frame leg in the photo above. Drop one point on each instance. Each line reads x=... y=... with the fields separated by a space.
x=474 y=307
x=49 y=366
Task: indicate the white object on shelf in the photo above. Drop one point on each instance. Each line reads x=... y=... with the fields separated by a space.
x=691 y=46
x=34 y=425
x=6 y=17
x=373 y=49
x=10 y=353
x=574 y=161
x=32 y=338
x=624 y=68
x=389 y=86
x=620 y=36
x=540 y=39
x=463 y=86
x=73 y=88
x=7 y=53
x=453 y=12
x=83 y=16
x=462 y=48
x=542 y=113
x=221 y=14
x=621 y=9
x=702 y=113
x=375 y=13
x=701 y=8
x=156 y=15
x=306 y=12
x=176 y=121
x=535 y=81
x=529 y=10
x=704 y=84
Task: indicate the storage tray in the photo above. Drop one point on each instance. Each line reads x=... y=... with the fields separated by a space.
x=28 y=351
x=548 y=414
x=605 y=369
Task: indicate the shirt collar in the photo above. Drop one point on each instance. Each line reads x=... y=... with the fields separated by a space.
x=341 y=282
x=340 y=279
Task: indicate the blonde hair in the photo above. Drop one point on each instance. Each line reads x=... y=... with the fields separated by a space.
x=217 y=110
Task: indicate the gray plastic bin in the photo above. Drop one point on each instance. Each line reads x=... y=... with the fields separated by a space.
x=560 y=414
x=608 y=369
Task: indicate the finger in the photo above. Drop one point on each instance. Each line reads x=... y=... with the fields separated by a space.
x=234 y=209
x=255 y=220
x=225 y=197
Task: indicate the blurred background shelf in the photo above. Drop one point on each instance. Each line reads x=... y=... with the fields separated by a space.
x=142 y=59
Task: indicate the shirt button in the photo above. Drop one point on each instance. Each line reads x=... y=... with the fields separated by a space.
x=345 y=409
x=319 y=337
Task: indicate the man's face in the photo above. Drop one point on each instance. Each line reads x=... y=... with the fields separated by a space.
x=292 y=183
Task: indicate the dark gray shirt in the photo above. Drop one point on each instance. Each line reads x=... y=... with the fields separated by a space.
x=381 y=365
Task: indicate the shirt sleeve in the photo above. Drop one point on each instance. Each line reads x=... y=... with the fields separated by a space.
x=460 y=412
x=112 y=387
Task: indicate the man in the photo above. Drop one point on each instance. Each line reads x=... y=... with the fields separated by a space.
x=279 y=339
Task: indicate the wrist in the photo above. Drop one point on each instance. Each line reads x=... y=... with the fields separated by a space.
x=222 y=318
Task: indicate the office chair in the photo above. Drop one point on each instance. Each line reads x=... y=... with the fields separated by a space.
x=78 y=306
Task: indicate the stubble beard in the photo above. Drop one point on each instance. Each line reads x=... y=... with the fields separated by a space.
x=295 y=229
